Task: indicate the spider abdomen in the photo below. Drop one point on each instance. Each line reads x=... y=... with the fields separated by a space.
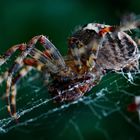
x=117 y=52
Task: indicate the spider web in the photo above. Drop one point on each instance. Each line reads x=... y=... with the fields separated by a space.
x=102 y=113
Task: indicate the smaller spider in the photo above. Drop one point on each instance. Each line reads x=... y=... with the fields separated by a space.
x=92 y=51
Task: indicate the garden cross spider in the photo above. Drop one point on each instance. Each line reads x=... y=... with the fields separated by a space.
x=92 y=51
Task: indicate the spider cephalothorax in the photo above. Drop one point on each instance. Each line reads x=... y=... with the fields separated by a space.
x=92 y=51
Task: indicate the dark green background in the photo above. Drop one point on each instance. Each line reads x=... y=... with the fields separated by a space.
x=19 y=22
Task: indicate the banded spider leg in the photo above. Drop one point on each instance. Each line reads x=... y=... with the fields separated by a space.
x=29 y=65
x=50 y=59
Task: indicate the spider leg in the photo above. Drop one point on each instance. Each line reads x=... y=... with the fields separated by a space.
x=74 y=49
x=84 y=55
x=90 y=62
x=33 y=63
x=37 y=55
x=30 y=63
x=10 y=52
x=7 y=55
x=12 y=106
x=129 y=22
x=39 y=67
x=27 y=61
x=50 y=56
x=52 y=52
x=17 y=65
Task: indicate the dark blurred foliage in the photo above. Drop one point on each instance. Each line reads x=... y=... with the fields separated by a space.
x=21 y=20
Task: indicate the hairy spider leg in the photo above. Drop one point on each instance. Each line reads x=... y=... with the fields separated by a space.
x=10 y=52
x=129 y=22
x=90 y=51
x=5 y=58
x=30 y=64
x=91 y=61
x=33 y=62
x=76 y=49
x=52 y=52
x=18 y=63
x=37 y=55
x=41 y=57
x=13 y=94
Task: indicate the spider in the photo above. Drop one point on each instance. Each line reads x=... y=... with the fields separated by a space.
x=93 y=50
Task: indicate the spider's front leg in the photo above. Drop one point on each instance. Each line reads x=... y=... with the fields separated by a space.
x=50 y=59
x=6 y=56
x=18 y=63
x=10 y=52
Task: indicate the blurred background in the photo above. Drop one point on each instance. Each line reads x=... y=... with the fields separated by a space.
x=20 y=20
x=23 y=19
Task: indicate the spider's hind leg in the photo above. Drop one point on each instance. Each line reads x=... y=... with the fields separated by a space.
x=129 y=22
